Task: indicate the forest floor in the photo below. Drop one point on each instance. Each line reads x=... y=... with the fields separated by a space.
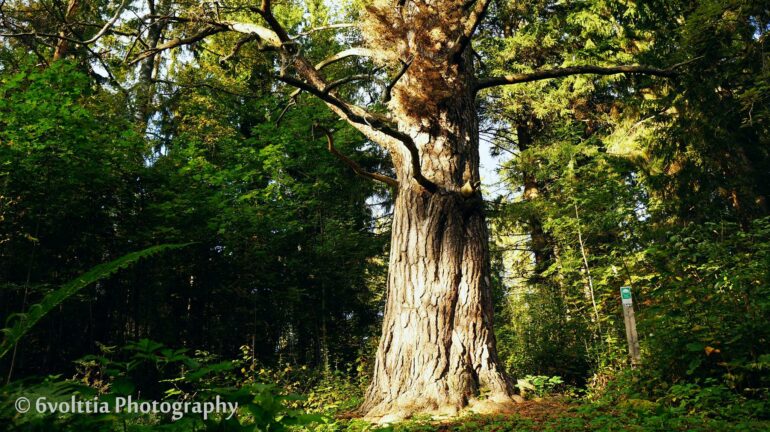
x=557 y=415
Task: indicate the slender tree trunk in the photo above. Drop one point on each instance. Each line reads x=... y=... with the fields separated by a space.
x=62 y=46
x=437 y=353
x=542 y=243
x=145 y=87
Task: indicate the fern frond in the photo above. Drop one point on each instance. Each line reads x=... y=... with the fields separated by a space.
x=20 y=323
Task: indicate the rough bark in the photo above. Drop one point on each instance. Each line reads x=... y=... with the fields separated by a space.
x=437 y=352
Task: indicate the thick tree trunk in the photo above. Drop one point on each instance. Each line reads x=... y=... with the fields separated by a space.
x=437 y=353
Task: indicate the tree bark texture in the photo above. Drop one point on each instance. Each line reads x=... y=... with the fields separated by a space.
x=437 y=352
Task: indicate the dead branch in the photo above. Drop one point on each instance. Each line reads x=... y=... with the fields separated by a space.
x=326 y=27
x=389 y=88
x=177 y=42
x=352 y=112
x=238 y=45
x=107 y=25
x=417 y=166
x=348 y=79
x=390 y=181
x=350 y=52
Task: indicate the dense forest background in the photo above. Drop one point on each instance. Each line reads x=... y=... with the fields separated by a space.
x=604 y=181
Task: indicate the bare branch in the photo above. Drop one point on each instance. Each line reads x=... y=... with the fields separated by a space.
x=326 y=27
x=351 y=112
x=176 y=42
x=417 y=166
x=107 y=26
x=367 y=122
x=292 y=102
x=269 y=37
x=376 y=127
x=389 y=88
x=238 y=45
x=373 y=126
x=572 y=70
x=266 y=12
x=348 y=79
x=350 y=52
x=390 y=181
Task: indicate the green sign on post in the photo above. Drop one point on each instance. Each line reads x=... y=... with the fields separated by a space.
x=630 y=321
x=625 y=295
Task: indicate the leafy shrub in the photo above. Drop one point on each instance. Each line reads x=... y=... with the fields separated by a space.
x=703 y=316
x=148 y=370
x=538 y=385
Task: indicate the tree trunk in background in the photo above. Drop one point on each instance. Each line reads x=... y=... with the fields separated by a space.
x=437 y=352
x=542 y=243
x=62 y=46
x=145 y=85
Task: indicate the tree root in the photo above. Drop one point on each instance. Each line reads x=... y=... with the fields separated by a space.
x=394 y=412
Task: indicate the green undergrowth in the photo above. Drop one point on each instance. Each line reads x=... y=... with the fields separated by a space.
x=298 y=398
x=638 y=415
x=622 y=405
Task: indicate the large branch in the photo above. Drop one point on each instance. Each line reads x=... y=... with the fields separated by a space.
x=349 y=112
x=177 y=42
x=572 y=70
x=266 y=37
x=326 y=27
x=376 y=127
x=107 y=26
x=350 y=52
x=275 y=37
x=238 y=45
x=389 y=88
x=266 y=11
x=390 y=181
x=370 y=125
x=414 y=154
x=469 y=26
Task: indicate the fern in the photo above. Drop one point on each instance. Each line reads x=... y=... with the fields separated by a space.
x=23 y=322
